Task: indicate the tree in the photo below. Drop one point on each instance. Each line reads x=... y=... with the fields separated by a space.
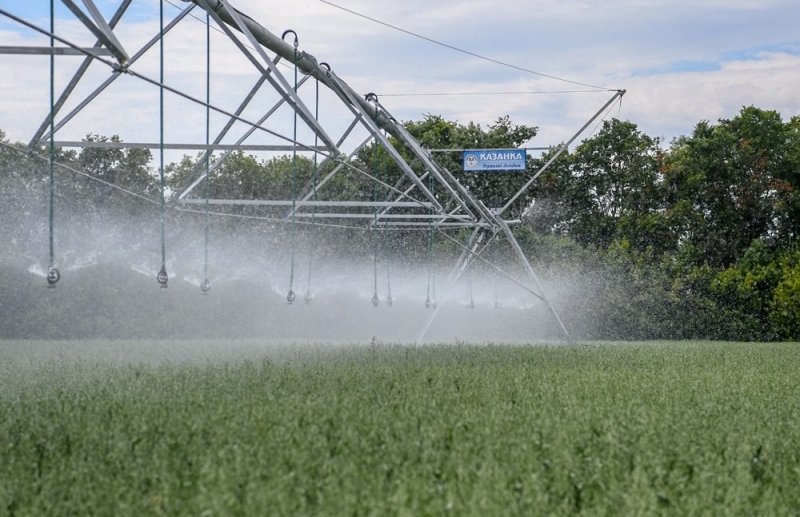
x=494 y=189
x=729 y=184
x=608 y=189
x=126 y=168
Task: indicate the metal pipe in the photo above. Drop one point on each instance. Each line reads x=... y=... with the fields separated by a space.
x=289 y=202
x=156 y=145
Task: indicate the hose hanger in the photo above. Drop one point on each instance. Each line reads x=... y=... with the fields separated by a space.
x=327 y=68
x=296 y=42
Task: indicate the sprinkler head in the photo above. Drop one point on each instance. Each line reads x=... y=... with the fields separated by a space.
x=375 y=300
x=162 y=277
x=389 y=300
x=433 y=303
x=428 y=302
x=471 y=304
x=53 y=276
x=307 y=297
x=290 y=296
x=205 y=287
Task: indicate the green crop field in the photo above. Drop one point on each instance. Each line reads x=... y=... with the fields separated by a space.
x=131 y=428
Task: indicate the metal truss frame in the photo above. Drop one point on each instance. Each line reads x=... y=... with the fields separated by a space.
x=450 y=206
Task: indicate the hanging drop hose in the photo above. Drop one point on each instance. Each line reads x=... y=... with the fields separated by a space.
x=434 y=303
x=373 y=230
x=53 y=275
x=384 y=178
x=314 y=178
x=428 y=301
x=431 y=186
x=495 y=244
x=388 y=281
x=471 y=303
x=162 y=277
x=290 y=296
x=206 y=285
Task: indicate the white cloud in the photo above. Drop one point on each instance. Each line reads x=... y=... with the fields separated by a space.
x=668 y=105
x=644 y=46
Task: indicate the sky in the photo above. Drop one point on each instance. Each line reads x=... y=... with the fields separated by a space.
x=681 y=61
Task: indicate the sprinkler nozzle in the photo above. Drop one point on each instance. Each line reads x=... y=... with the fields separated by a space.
x=290 y=296
x=375 y=299
x=53 y=276
x=162 y=277
x=205 y=287
x=389 y=300
x=428 y=302
x=307 y=297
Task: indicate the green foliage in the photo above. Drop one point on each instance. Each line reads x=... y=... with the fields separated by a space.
x=785 y=304
x=694 y=240
x=689 y=429
x=433 y=132
x=729 y=184
x=614 y=192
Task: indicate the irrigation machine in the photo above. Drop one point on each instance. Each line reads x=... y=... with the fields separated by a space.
x=426 y=195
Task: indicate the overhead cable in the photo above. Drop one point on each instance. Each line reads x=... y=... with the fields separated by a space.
x=461 y=50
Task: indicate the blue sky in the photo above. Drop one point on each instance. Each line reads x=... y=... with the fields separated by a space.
x=681 y=61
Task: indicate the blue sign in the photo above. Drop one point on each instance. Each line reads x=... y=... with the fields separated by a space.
x=483 y=160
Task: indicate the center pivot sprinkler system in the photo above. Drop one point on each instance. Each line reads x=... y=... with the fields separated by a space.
x=424 y=195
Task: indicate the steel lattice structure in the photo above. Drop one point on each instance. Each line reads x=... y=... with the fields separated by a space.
x=411 y=204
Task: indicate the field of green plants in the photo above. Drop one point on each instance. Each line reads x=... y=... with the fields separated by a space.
x=233 y=428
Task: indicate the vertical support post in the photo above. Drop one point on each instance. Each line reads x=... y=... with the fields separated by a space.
x=77 y=76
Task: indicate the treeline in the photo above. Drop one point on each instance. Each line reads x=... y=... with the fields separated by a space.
x=694 y=238
x=697 y=239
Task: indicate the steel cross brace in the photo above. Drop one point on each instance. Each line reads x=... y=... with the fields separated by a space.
x=285 y=89
x=99 y=28
x=349 y=96
x=37 y=137
x=97 y=91
x=227 y=128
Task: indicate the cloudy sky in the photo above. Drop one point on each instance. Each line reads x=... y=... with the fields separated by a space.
x=681 y=61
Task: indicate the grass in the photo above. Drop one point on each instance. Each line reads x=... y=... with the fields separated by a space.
x=638 y=428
